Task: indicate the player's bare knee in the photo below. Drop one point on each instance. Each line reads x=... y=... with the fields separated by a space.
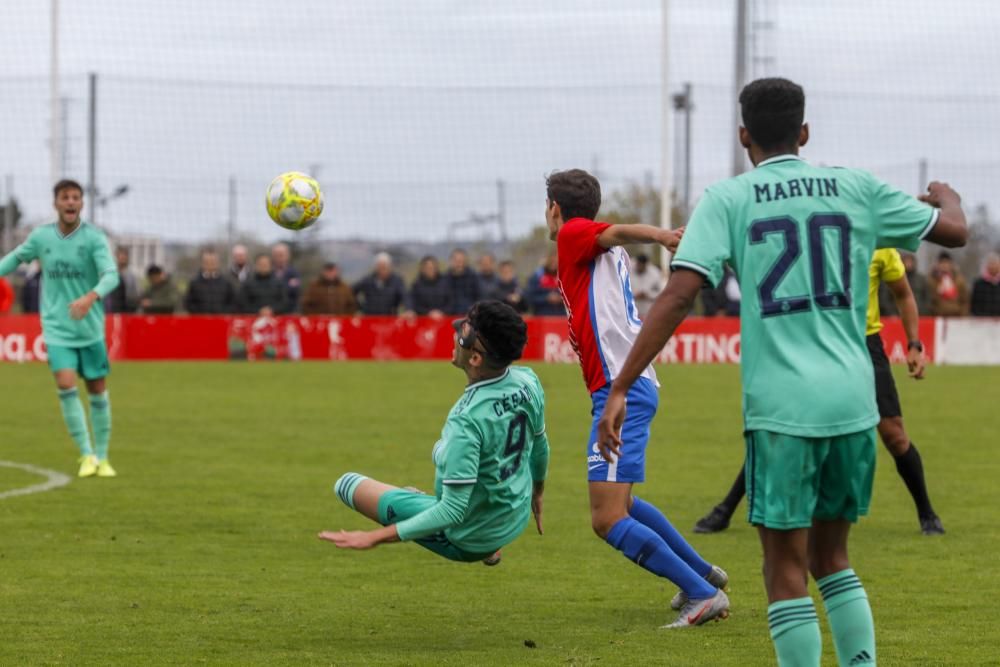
x=603 y=522
x=894 y=436
x=824 y=564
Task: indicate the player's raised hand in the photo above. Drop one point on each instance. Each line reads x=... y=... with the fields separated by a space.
x=349 y=539
x=609 y=427
x=939 y=194
x=917 y=362
x=671 y=238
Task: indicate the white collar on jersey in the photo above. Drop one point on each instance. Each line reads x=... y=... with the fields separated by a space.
x=779 y=158
x=483 y=383
x=60 y=234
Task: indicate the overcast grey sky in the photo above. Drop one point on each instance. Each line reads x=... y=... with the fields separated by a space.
x=413 y=109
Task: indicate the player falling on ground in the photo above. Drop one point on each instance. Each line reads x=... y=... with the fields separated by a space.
x=886 y=267
x=78 y=271
x=603 y=323
x=491 y=460
x=800 y=239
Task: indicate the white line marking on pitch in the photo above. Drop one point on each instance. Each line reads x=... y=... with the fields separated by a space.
x=53 y=479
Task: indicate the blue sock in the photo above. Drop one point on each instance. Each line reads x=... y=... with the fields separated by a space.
x=645 y=548
x=648 y=515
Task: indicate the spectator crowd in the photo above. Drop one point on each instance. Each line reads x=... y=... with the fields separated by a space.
x=270 y=284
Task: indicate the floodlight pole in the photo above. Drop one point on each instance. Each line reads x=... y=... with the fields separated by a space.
x=55 y=138
x=231 y=221
x=92 y=148
x=666 y=122
x=739 y=80
x=8 y=214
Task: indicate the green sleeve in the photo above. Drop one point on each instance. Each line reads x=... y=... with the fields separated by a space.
x=445 y=513
x=706 y=245
x=106 y=268
x=539 y=460
x=22 y=254
x=540 y=457
x=902 y=221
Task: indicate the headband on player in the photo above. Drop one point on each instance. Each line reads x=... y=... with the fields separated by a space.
x=466 y=342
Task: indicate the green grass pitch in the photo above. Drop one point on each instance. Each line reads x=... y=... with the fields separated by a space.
x=203 y=550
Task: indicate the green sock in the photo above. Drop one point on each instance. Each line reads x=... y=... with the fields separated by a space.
x=76 y=421
x=850 y=617
x=100 y=417
x=795 y=632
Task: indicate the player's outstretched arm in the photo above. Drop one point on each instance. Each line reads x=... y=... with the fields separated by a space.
x=445 y=513
x=22 y=254
x=906 y=304
x=360 y=539
x=539 y=471
x=9 y=263
x=951 y=229
x=626 y=234
x=666 y=313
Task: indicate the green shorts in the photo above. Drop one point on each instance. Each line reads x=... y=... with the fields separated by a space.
x=792 y=480
x=89 y=362
x=400 y=504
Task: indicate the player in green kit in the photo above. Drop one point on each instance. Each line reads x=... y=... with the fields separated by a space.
x=491 y=459
x=800 y=239
x=77 y=273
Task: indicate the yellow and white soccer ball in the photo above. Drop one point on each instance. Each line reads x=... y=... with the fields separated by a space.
x=294 y=200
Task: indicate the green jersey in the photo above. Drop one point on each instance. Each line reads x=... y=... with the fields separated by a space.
x=494 y=439
x=72 y=266
x=800 y=239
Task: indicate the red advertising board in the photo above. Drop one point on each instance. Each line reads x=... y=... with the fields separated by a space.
x=142 y=337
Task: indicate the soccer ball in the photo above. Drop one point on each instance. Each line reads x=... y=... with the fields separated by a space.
x=294 y=200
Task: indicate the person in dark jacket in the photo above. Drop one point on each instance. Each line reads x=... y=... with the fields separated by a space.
x=986 y=289
x=508 y=289
x=210 y=292
x=462 y=282
x=382 y=291
x=543 y=289
x=31 y=290
x=329 y=295
x=125 y=297
x=281 y=260
x=430 y=293
x=489 y=281
x=262 y=293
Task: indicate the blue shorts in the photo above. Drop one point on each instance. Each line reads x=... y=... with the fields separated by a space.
x=640 y=408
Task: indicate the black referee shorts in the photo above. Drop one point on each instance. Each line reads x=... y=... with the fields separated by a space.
x=885 y=386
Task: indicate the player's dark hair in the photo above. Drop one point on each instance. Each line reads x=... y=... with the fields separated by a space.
x=65 y=184
x=773 y=110
x=577 y=193
x=501 y=329
x=153 y=271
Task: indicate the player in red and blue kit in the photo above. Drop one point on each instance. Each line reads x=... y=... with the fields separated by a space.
x=603 y=324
